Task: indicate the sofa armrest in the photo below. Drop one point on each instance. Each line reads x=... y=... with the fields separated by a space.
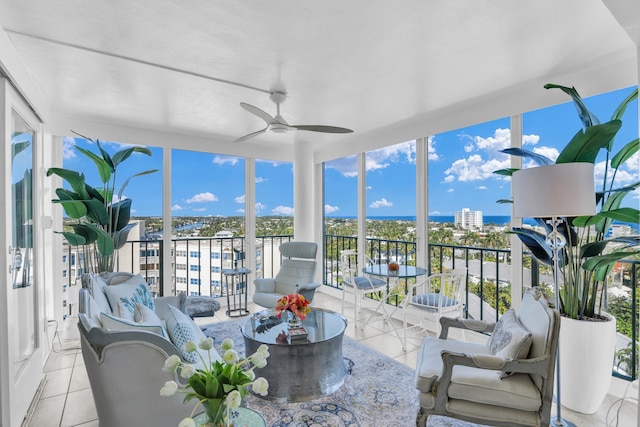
x=265 y=285
x=466 y=324
x=309 y=287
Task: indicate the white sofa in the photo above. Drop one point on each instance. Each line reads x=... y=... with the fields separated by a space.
x=124 y=357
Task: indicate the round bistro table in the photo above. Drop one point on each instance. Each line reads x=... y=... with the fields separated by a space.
x=299 y=370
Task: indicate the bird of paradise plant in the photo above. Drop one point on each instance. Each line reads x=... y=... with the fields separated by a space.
x=589 y=255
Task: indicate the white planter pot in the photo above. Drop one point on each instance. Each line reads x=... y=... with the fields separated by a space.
x=586 y=361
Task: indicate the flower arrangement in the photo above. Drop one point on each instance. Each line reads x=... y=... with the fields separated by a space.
x=220 y=386
x=295 y=303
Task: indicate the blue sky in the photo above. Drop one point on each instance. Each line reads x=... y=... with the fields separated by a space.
x=461 y=163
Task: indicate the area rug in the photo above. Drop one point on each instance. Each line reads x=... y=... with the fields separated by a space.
x=378 y=390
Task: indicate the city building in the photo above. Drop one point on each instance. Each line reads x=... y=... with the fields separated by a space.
x=468 y=219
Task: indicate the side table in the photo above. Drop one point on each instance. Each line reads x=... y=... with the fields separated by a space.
x=235 y=280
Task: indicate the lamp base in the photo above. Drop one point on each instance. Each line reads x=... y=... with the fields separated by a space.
x=560 y=422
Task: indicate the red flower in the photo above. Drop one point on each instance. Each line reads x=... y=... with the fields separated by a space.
x=295 y=303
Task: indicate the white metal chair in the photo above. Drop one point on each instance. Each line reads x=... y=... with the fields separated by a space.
x=354 y=282
x=436 y=296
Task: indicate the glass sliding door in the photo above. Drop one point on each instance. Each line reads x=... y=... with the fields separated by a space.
x=21 y=307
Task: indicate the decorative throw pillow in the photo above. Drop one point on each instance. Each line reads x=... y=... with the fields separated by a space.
x=96 y=289
x=182 y=328
x=510 y=338
x=130 y=292
x=94 y=311
x=114 y=323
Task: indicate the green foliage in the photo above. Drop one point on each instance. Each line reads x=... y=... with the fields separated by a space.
x=588 y=257
x=101 y=215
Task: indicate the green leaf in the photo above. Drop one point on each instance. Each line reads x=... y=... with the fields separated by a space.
x=587 y=117
x=601 y=265
x=120 y=236
x=619 y=111
x=104 y=170
x=503 y=201
x=538 y=158
x=630 y=215
x=625 y=153
x=97 y=212
x=123 y=155
x=106 y=157
x=87 y=232
x=506 y=172
x=75 y=179
x=74 y=209
x=73 y=239
x=535 y=242
x=121 y=214
x=147 y=172
x=64 y=194
x=585 y=145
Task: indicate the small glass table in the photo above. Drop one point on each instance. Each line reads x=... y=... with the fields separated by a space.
x=235 y=280
x=392 y=276
x=242 y=417
x=299 y=370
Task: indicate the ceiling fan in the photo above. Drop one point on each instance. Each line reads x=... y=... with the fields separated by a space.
x=278 y=124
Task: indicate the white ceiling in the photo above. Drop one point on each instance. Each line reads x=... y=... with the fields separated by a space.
x=392 y=71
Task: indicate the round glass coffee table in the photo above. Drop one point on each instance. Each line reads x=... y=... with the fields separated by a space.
x=299 y=370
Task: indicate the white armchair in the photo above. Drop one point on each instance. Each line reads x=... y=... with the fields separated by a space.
x=506 y=382
x=296 y=274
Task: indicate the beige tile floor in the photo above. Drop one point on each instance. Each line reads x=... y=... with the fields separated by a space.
x=66 y=399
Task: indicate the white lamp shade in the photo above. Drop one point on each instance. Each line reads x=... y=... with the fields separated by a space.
x=559 y=190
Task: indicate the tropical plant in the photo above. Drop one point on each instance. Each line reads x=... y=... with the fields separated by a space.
x=102 y=215
x=590 y=254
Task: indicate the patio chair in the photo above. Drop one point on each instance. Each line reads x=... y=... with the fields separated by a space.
x=296 y=274
x=353 y=282
x=431 y=298
x=507 y=381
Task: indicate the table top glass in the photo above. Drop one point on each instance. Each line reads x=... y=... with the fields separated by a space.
x=266 y=328
x=235 y=271
x=382 y=270
x=241 y=417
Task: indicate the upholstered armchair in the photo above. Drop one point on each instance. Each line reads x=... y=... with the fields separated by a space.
x=296 y=274
x=505 y=382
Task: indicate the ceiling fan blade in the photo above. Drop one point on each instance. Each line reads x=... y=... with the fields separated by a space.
x=320 y=128
x=258 y=112
x=251 y=135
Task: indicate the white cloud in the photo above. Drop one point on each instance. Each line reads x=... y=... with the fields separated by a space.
x=449 y=178
x=468 y=148
x=451 y=190
x=259 y=179
x=381 y=158
x=434 y=213
x=382 y=203
x=500 y=140
x=347 y=166
x=549 y=152
x=176 y=207
x=475 y=168
x=368 y=187
x=431 y=149
x=330 y=209
x=530 y=139
x=282 y=210
x=199 y=209
x=221 y=160
x=240 y=210
x=481 y=187
x=239 y=199
x=68 y=151
x=202 y=198
x=260 y=207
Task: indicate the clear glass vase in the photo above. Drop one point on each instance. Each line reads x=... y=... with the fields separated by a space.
x=294 y=321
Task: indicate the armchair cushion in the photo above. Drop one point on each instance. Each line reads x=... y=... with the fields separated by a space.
x=267 y=285
x=432 y=301
x=132 y=291
x=182 y=329
x=113 y=323
x=363 y=282
x=510 y=338
x=96 y=285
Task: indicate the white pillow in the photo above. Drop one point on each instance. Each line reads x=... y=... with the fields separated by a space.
x=130 y=292
x=96 y=289
x=182 y=328
x=510 y=338
x=94 y=311
x=114 y=323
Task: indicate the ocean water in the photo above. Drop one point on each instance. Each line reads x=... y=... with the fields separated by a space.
x=486 y=219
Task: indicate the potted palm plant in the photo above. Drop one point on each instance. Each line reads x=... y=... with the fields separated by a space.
x=101 y=215
x=588 y=256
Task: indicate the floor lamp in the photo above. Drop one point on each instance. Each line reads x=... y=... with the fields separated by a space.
x=554 y=192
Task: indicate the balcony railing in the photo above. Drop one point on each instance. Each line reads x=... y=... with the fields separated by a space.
x=487 y=289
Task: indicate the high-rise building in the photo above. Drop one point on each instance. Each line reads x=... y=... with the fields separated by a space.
x=468 y=219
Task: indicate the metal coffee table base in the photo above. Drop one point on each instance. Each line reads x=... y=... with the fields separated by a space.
x=302 y=372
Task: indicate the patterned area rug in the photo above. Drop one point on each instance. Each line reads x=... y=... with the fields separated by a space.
x=378 y=390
